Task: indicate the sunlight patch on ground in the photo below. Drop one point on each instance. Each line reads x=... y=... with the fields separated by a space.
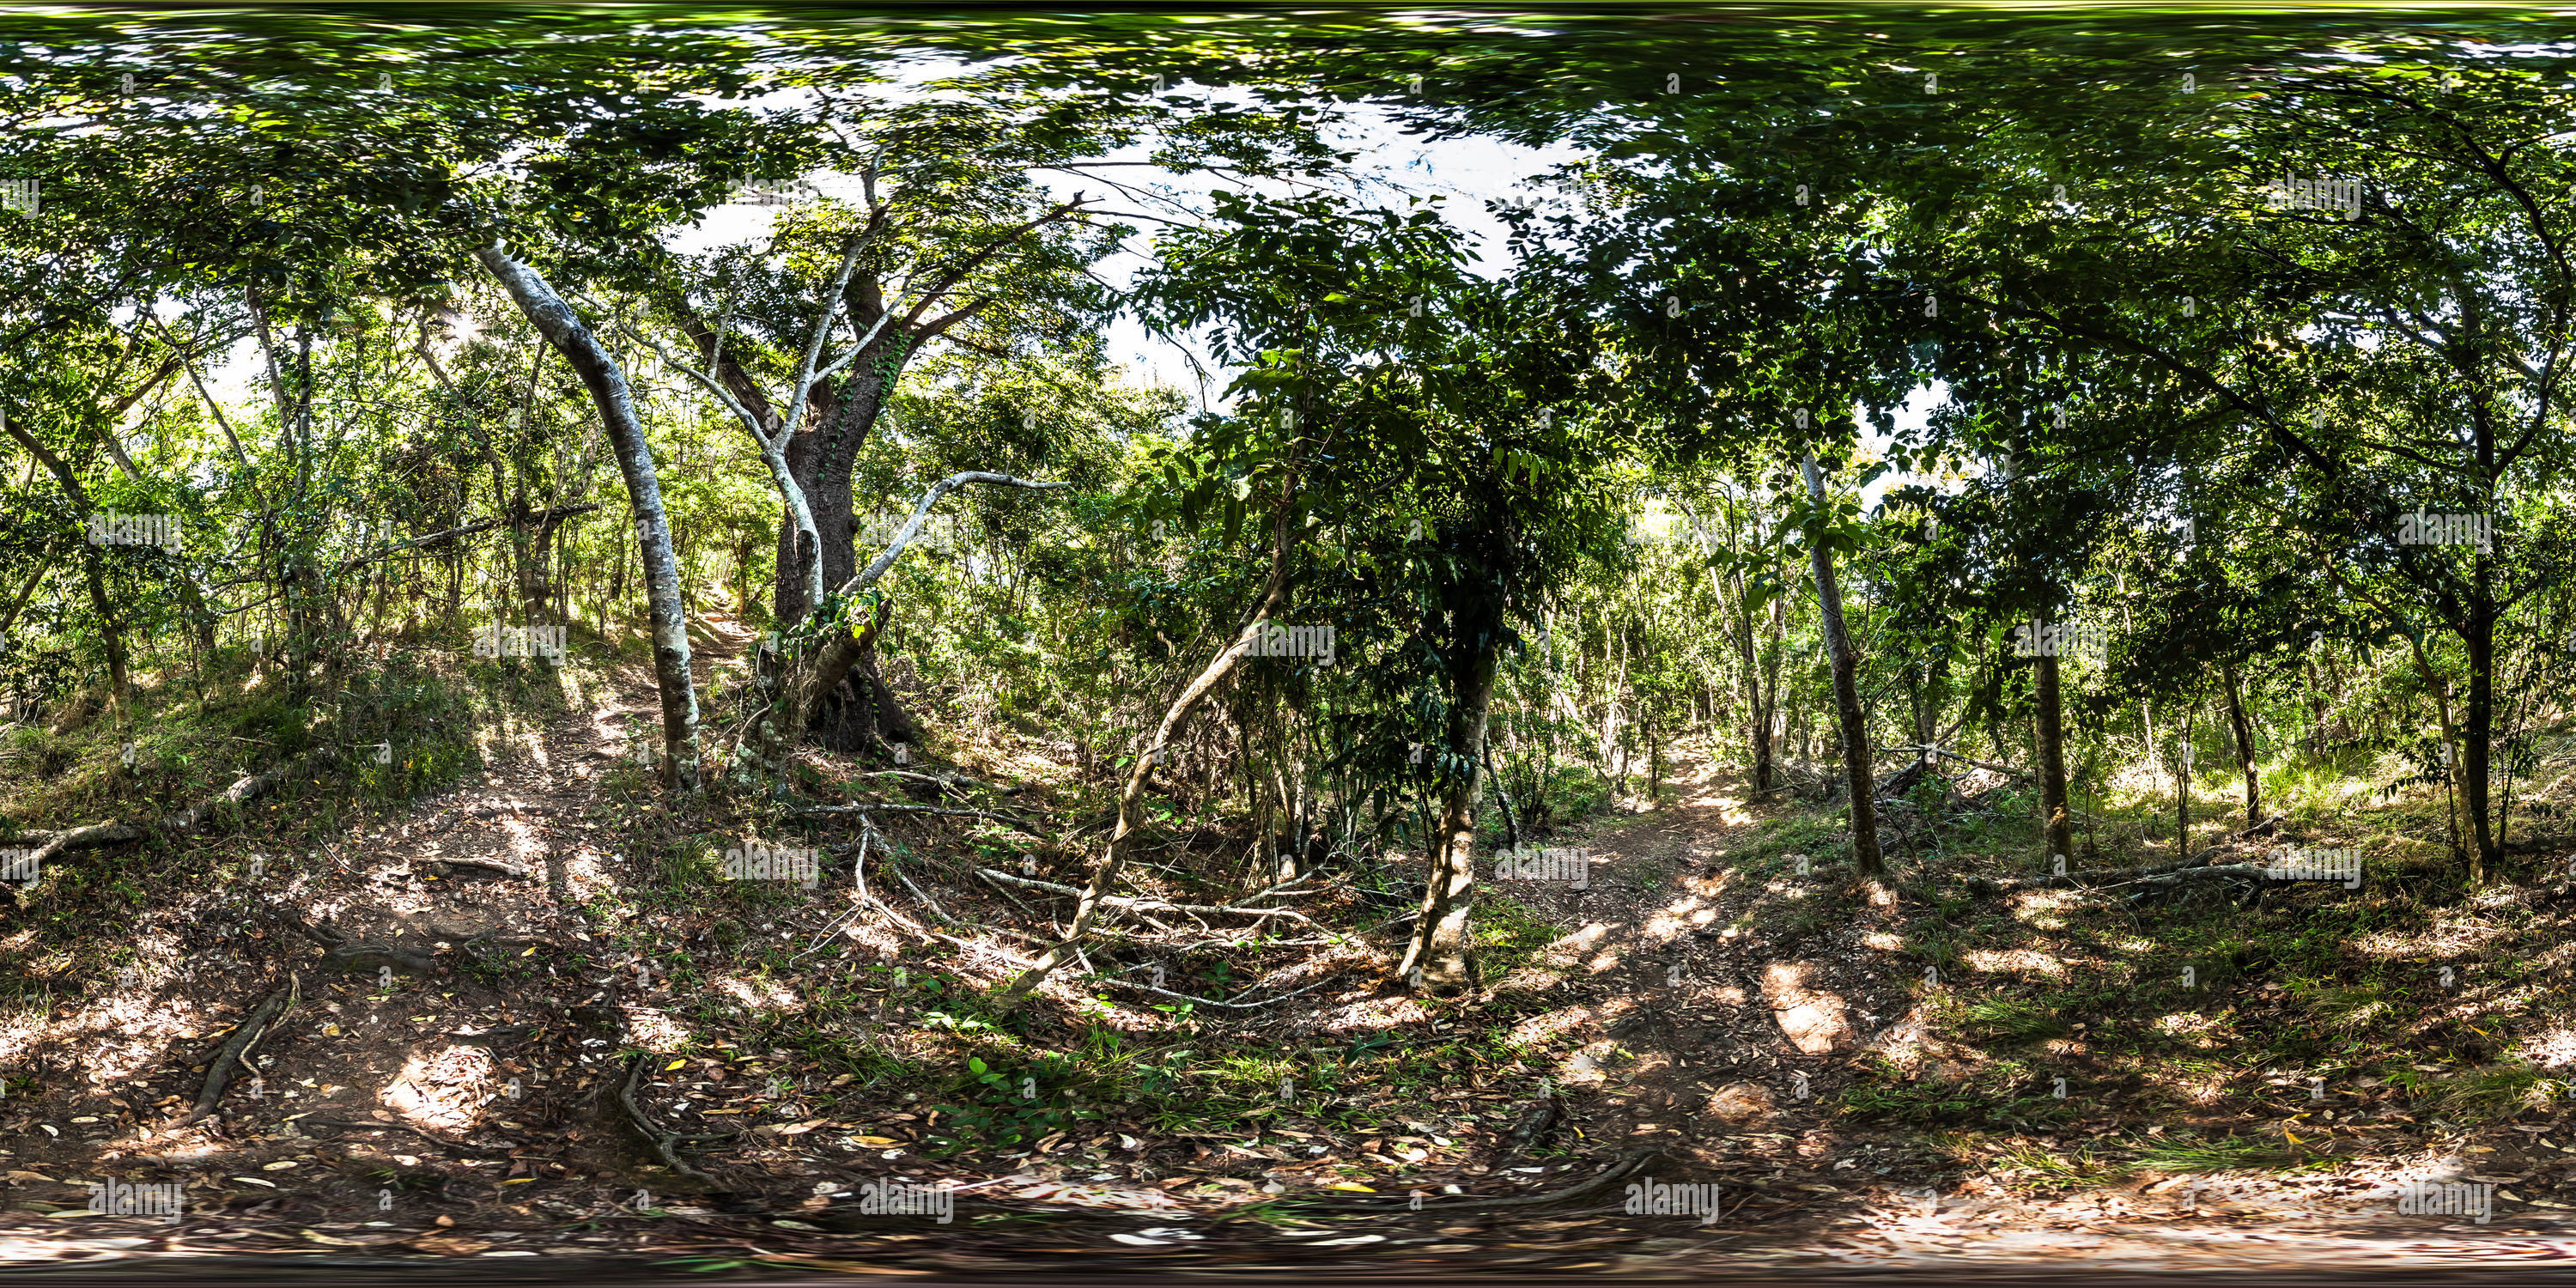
x=1678 y=916
x=2014 y=961
x=655 y=1031
x=440 y=1092
x=1376 y=1013
x=2551 y=1048
x=2042 y=909
x=759 y=995
x=1540 y=1028
x=1883 y=941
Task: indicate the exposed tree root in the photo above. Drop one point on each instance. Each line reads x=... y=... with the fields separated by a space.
x=665 y=1143
x=235 y=1052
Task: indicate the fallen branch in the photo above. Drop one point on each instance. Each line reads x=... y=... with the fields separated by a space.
x=97 y=835
x=827 y=811
x=1137 y=905
x=219 y=1073
x=505 y=869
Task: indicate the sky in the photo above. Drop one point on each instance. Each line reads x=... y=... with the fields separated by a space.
x=1467 y=175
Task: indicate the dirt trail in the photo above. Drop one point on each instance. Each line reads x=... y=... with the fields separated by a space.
x=385 y=1133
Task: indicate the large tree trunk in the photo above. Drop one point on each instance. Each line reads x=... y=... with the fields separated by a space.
x=1855 y=726
x=820 y=456
x=606 y=380
x=1441 y=949
x=2244 y=731
x=2052 y=763
x=806 y=684
x=1104 y=871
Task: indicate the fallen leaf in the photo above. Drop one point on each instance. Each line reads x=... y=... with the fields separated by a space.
x=256 y=1181
x=278 y=1166
x=1350 y=1185
x=797 y=1225
x=319 y=1237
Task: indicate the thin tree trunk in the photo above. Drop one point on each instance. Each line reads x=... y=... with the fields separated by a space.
x=1104 y=872
x=2182 y=791
x=1855 y=728
x=2052 y=762
x=2244 y=732
x=1441 y=952
x=606 y=380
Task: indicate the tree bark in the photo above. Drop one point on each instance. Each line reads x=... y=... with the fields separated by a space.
x=1855 y=727
x=2052 y=763
x=110 y=633
x=2182 y=791
x=2486 y=854
x=2244 y=731
x=606 y=380
x=809 y=680
x=1441 y=949
x=1104 y=872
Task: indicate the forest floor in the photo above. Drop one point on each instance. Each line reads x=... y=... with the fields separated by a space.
x=1708 y=1005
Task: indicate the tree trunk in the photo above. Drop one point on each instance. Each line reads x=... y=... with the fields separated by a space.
x=2486 y=854
x=2244 y=732
x=2182 y=792
x=1855 y=727
x=1441 y=950
x=109 y=631
x=600 y=372
x=807 y=682
x=2052 y=763
x=1757 y=715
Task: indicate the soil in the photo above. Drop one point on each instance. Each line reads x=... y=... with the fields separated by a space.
x=452 y=1094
